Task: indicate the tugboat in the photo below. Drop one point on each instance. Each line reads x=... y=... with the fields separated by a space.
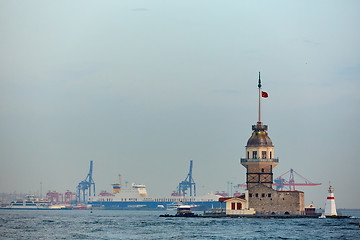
x=311 y=211
x=182 y=211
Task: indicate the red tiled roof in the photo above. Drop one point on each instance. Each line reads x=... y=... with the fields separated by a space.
x=223 y=199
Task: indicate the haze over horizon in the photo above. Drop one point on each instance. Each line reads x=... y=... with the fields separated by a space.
x=142 y=87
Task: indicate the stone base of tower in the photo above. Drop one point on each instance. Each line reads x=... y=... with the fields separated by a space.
x=268 y=201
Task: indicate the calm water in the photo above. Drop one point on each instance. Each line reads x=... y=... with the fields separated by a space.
x=106 y=224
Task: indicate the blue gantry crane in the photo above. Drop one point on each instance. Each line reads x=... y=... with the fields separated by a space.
x=188 y=184
x=85 y=186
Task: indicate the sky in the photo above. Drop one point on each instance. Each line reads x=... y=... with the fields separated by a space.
x=143 y=87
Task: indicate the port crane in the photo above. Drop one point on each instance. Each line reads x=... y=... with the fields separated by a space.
x=188 y=184
x=86 y=185
x=281 y=183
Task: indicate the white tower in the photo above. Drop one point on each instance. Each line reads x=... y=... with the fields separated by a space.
x=330 y=208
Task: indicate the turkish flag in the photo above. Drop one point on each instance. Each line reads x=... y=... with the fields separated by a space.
x=264 y=94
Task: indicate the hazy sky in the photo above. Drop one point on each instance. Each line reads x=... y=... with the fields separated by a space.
x=142 y=87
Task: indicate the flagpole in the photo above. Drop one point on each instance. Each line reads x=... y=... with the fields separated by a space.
x=259 y=85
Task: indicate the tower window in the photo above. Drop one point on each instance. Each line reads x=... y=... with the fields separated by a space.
x=256 y=195
x=263 y=195
x=248 y=154
x=263 y=154
x=254 y=154
x=262 y=170
x=270 y=155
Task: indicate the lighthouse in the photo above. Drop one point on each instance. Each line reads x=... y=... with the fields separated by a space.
x=330 y=208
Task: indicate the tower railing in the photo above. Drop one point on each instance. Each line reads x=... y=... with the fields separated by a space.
x=259 y=127
x=244 y=160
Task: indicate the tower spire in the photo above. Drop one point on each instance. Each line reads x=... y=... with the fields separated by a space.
x=259 y=86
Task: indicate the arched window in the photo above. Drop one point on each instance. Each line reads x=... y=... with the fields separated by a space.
x=239 y=206
x=232 y=206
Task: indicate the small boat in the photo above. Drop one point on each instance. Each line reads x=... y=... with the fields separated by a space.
x=172 y=206
x=60 y=207
x=311 y=210
x=79 y=207
x=182 y=211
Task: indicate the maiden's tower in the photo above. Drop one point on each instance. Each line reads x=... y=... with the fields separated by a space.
x=259 y=163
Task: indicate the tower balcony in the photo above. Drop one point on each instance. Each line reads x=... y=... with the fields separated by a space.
x=264 y=160
x=259 y=127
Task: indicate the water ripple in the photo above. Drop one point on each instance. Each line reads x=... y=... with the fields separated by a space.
x=102 y=224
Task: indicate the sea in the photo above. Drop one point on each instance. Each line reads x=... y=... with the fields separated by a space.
x=123 y=224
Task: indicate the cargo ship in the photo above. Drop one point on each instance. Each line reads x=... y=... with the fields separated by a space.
x=136 y=197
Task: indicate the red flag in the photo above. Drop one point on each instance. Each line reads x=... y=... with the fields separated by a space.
x=264 y=94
